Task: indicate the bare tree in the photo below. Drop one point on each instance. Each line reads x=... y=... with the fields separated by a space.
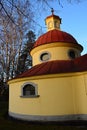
x=60 y=2
x=13 y=28
x=8 y=7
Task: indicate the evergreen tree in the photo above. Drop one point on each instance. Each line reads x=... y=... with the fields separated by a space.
x=25 y=60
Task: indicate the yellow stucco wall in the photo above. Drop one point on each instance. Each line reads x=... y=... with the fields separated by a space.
x=58 y=51
x=50 y=22
x=60 y=94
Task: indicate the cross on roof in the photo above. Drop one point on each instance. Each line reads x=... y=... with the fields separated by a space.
x=52 y=10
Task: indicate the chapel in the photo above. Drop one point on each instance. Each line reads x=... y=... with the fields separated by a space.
x=55 y=88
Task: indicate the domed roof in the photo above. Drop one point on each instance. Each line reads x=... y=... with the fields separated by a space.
x=55 y=36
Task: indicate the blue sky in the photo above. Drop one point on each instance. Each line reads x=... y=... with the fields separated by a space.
x=74 y=19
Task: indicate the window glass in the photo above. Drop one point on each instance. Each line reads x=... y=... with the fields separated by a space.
x=56 y=24
x=50 y=25
x=28 y=90
x=72 y=54
x=45 y=56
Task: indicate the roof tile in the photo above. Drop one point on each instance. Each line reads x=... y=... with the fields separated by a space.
x=55 y=36
x=56 y=67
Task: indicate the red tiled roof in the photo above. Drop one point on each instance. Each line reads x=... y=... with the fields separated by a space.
x=55 y=36
x=57 y=66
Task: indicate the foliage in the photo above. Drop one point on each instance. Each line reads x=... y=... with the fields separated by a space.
x=15 y=21
x=4 y=91
x=25 y=59
x=16 y=18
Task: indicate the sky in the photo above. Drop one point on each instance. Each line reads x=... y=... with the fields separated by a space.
x=74 y=19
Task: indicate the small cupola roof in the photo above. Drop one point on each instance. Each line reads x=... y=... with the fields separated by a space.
x=53 y=21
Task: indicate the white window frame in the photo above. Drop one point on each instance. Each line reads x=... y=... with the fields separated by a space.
x=49 y=56
x=34 y=85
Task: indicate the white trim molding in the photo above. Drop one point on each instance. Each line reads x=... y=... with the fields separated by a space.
x=53 y=118
x=34 y=85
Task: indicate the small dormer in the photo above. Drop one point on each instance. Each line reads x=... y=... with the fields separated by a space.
x=53 y=21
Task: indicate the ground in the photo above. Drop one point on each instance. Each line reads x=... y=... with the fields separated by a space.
x=11 y=124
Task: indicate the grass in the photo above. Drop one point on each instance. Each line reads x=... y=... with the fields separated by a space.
x=10 y=124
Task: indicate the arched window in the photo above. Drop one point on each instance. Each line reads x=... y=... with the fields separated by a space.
x=29 y=90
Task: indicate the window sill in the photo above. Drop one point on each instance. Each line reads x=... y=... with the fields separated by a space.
x=30 y=96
